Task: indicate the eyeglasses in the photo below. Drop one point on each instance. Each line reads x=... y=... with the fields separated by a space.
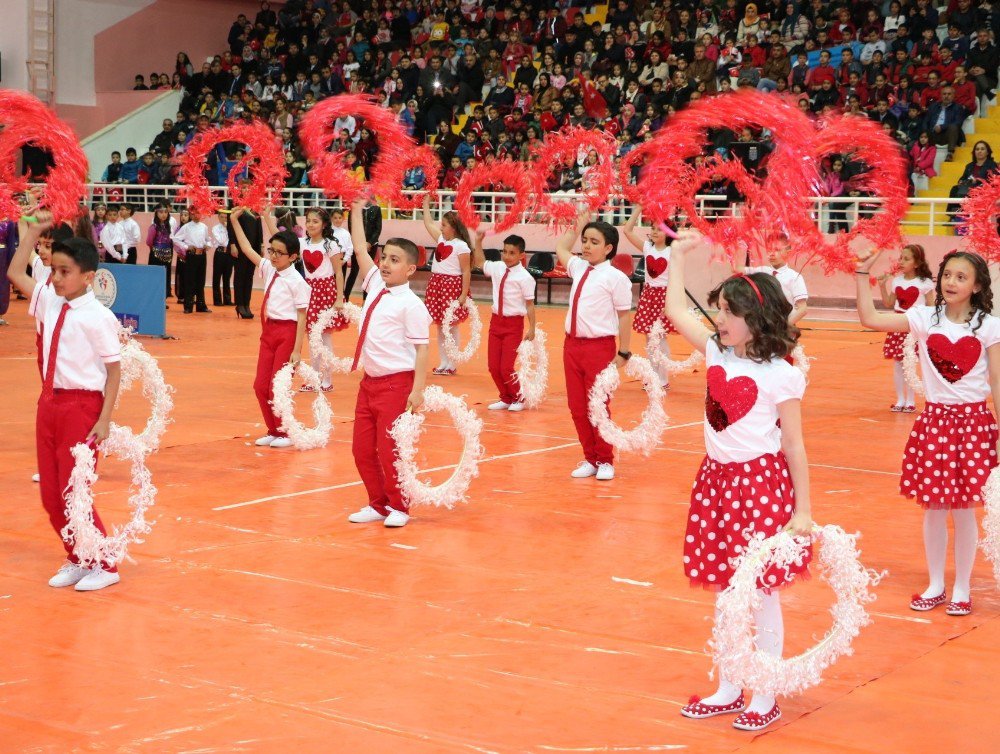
x=275 y=253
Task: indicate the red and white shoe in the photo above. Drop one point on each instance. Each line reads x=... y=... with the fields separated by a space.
x=896 y=408
x=307 y=389
x=959 y=608
x=756 y=721
x=923 y=604
x=697 y=710
x=909 y=409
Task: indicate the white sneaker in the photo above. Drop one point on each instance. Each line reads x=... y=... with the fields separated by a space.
x=396 y=519
x=583 y=470
x=516 y=406
x=68 y=574
x=98 y=578
x=281 y=442
x=365 y=516
x=605 y=472
x=499 y=406
x=265 y=441
x=36 y=477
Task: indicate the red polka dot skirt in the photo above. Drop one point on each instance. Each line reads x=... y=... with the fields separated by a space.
x=893 y=346
x=441 y=291
x=649 y=309
x=949 y=455
x=321 y=298
x=731 y=503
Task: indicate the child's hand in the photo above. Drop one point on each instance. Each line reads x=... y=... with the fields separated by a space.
x=883 y=277
x=358 y=204
x=800 y=524
x=100 y=431
x=480 y=234
x=295 y=358
x=866 y=263
x=462 y=299
x=687 y=241
x=237 y=212
x=530 y=335
x=415 y=400
x=338 y=305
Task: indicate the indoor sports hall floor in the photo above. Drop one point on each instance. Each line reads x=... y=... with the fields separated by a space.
x=546 y=615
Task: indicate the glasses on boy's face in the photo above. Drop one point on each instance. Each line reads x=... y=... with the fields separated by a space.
x=275 y=253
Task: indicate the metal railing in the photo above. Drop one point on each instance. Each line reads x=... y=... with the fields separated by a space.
x=927 y=215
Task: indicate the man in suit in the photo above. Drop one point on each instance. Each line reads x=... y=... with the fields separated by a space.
x=944 y=121
x=243 y=267
x=371 y=217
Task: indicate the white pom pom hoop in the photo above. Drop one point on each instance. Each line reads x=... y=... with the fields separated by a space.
x=335 y=364
x=302 y=437
x=533 y=369
x=138 y=364
x=910 y=364
x=475 y=332
x=800 y=361
x=659 y=358
x=406 y=431
x=732 y=641
x=991 y=522
x=645 y=436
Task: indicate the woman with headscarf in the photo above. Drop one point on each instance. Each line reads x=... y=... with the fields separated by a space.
x=795 y=27
x=751 y=23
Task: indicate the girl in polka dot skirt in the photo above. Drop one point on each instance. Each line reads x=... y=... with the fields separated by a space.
x=754 y=480
x=913 y=284
x=953 y=444
x=323 y=261
x=656 y=259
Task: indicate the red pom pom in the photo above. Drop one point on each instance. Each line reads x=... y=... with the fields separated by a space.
x=980 y=214
x=728 y=232
x=389 y=181
x=264 y=158
x=564 y=148
x=637 y=156
x=507 y=173
x=26 y=120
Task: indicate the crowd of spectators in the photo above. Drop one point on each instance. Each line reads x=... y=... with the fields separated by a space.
x=482 y=79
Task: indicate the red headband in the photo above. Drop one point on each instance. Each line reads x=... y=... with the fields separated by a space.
x=752 y=284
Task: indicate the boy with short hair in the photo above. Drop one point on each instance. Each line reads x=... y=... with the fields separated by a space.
x=193 y=239
x=112 y=236
x=113 y=172
x=513 y=300
x=793 y=285
x=392 y=349
x=130 y=233
x=81 y=375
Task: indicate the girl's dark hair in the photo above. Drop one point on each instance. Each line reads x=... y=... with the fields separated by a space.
x=83 y=227
x=982 y=302
x=608 y=232
x=923 y=270
x=771 y=335
x=460 y=230
x=284 y=217
x=289 y=239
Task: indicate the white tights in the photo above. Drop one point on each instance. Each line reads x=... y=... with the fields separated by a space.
x=936 y=548
x=445 y=362
x=904 y=393
x=316 y=361
x=770 y=639
x=662 y=370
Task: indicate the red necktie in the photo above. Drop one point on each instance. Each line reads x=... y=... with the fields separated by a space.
x=263 y=307
x=364 y=328
x=500 y=294
x=50 y=367
x=774 y=272
x=576 y=300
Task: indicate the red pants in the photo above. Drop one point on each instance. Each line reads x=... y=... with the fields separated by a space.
x=63 y=420
x=276 y=343
x=583 y=359
x=380 y=401
x=505 y=337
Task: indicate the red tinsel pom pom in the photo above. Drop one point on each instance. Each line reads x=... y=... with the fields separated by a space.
x=264 y=158
x=565 y=148
x=26 y=120
x=726 y=231
x=389 y=180
x=980 y=213
x=637 y=156
x=506 y=173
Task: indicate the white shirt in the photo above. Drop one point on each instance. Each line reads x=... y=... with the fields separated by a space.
x=793 y=285
x=131 y=233
x=290 y=292
x=39 y=272
x=953 y=359
x=741 y=404
x=191 y=235
x=657 y=262
x=910 y=292
x=519 y=288
x=446 y=256
x=316 y=256
x=342 y=237
x=220 y=235
x=398 y=325
x=112 y=234
x=606 y=292
x=88 y=339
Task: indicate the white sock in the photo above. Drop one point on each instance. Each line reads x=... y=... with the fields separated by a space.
x=966 y=539
x=728 y=692
x=325 y=373
x=935 y=548
x=899 y=378
x=442 y=359
x=770 y=639
x=662 y=370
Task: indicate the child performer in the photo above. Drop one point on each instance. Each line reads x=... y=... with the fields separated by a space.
x=754 y=479
x=324 y=265
x=282 y=317
x=194 y=239
x=8 y=244
x=161 y=247
x=82 y=371
x=793 y=285
x=513 y=299
x=451 y=275
x=656 y=253
x=180 y=268
x=131 y=233
x=392 y=349
x=953 y=444
x=112 y=237
x=913 y=283
x=99 y=220
x=600 y=302
x=222 y=263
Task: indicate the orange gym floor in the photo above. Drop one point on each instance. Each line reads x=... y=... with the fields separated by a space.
x=546 y=615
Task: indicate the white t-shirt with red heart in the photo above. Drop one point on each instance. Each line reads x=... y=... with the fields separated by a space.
x=741 y=404
x=657 y=261
x=446 y=255
x=953 y=360
x=910 y=292
x=316 y=257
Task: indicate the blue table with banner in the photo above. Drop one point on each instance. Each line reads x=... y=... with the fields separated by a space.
x=136 y=296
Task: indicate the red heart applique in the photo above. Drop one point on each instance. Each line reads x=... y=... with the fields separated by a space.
x=312 y=259
x=728 y=401
x=906 y=297
x=656 y=266
x=953 y=360
x=443 y=251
